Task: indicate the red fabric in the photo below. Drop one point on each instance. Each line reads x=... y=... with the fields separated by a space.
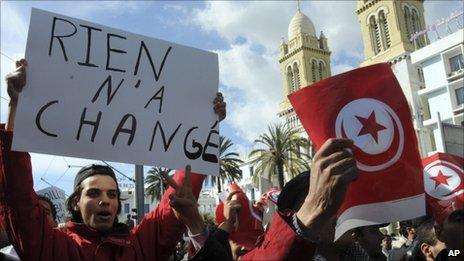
x=443 y=184
x=249 y=227
x=272 y=195
x=280 y=243
x=368 y=106
x=34 y=239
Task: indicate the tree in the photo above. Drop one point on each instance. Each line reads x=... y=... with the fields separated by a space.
x=155 y=183
x=281 y=150
x=229 y=164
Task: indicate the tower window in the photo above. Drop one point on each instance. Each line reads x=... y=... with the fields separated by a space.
x=296 y=76
x=313 y=70
x=321 y=70
x=408 y=22
x=290 y=79
x=384 y=31
x=416 y=27
x=375 y=35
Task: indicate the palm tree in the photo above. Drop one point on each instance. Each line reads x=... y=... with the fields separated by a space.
x=282 y=149
x=229 y=164
x=155 y=183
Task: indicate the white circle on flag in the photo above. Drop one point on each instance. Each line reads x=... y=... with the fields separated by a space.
x=372 y=125
x=442 y=180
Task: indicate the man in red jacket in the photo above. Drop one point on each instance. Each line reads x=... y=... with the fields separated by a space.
x=93 y=232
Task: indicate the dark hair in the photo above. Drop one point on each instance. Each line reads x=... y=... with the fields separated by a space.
x=456 y=216
x=426 y=233
x=52 y=206
x=84 y=173
x=293 y=191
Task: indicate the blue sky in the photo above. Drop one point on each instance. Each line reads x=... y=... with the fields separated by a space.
x=246 y=36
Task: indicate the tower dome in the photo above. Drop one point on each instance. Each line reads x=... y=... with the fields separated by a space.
x=300 y=23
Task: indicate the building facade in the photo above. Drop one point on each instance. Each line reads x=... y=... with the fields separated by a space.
x=442 y=64
x=387 y=27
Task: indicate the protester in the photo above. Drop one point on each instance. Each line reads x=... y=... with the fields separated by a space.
x=452 y=234
x=129 y=221
x=408 y=234
x=387 y=245
x=370 y=239
x=7 y=251
x=294 y=235
x=428 y=242
x=93 y=232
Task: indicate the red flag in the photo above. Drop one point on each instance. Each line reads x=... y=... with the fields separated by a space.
x=249 y=220
x=272 y=195
x=367 y=105
x=443 y=184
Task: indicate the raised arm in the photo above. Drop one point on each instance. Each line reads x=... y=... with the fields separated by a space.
x=160 y=230
x=20 y=213
x=294 y=237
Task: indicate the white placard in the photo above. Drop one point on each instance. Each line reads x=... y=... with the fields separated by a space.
x=58 y=198
x=102 y=93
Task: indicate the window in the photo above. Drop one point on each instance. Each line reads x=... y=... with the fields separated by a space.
x=126 y=208
x=408 y=22
x=416 y=27
x=321 y=70
x=459 y=95
x=375 y=35
x=313 y=70
x=146 y=208
x=290 y=79
x=384 y=30
x=456 y=63
x=296 y=76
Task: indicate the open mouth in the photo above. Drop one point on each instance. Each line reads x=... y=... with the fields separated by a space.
x=104 y=215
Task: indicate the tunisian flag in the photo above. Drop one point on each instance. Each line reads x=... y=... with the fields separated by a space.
x=250 y=225
x=367 y=105
x=443 y=184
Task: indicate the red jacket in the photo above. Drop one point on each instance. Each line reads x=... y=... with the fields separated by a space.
x=154 y=239
x=280 y=242
x=34 y=239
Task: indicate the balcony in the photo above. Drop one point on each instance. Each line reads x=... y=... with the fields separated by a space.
x=452 y=76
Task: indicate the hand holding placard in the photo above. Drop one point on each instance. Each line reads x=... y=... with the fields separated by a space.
x=107 y=94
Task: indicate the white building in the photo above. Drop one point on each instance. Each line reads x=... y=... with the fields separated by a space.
x=128 y=202
x=442 y=65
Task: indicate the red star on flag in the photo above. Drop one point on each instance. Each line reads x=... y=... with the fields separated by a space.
x=440 y=179
x=370 y=126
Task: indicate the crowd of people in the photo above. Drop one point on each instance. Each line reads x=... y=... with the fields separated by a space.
x=302 y=228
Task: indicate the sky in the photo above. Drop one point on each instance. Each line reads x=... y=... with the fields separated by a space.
x=245 y=35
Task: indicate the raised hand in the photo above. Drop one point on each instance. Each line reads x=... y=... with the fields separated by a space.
x=332 y=170
x=231 y=210
x=184 y=203
x=220 y=106
x=16 y=80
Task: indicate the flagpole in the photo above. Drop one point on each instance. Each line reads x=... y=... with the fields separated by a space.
x=139 y=193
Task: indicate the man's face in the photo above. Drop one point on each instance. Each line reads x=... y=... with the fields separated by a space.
x=99 y=202
x=48 y=211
